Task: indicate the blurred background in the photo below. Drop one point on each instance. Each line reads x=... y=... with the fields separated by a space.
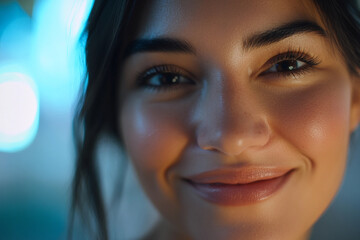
x=41 y=67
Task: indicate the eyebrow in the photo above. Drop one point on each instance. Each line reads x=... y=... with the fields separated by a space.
x=254 y=41
x=282 y=32
x=158 y=45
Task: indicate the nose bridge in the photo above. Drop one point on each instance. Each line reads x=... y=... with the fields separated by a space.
x=232 y=120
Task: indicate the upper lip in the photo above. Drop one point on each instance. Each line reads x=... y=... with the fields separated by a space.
x=242 y=175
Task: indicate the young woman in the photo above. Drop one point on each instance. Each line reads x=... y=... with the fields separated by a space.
x=235 y=114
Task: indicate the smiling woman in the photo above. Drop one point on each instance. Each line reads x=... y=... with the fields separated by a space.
x=233 y=114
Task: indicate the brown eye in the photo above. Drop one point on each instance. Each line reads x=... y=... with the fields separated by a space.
x=291 y=63
x=286 y=66
x=165 y=79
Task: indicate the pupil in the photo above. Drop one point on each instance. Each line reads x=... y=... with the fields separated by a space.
x=170 y=79
x=288 y=65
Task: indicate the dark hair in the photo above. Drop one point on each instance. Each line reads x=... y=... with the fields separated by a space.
x=106 y=33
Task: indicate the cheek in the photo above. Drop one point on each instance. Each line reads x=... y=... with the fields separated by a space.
x=315 y=122
x=154 y=137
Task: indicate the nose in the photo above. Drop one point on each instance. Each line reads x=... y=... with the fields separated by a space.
x=230 y=121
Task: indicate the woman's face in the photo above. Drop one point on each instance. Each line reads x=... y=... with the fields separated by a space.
x=236 y=116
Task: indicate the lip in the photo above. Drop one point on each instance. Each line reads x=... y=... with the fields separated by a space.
x=235 y=187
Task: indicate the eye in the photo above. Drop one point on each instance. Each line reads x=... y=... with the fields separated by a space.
x=165 y=77
x=286 y=66
x=290 y=63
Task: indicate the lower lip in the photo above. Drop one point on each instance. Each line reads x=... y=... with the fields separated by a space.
x=240 y=194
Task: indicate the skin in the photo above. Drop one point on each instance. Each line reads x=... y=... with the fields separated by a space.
x=234 y=116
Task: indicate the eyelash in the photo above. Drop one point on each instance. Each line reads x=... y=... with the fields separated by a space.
x=298 y=55
x=291 y=55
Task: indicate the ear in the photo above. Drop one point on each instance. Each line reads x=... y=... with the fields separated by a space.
x=355 y=103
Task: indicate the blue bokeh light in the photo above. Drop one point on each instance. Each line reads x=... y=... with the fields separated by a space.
x=47 y=45
x=41 y=67
x=19 y=108
x=57 y=53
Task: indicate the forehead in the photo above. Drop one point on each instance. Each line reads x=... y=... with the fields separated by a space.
x=211 y=19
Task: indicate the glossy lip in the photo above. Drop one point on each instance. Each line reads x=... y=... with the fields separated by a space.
x=241 y=186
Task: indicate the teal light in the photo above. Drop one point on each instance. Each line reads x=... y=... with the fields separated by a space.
x=57 y=53
x=47 y=66
x=19 y=111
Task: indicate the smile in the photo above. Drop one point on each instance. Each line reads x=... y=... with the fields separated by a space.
x=238 y=187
